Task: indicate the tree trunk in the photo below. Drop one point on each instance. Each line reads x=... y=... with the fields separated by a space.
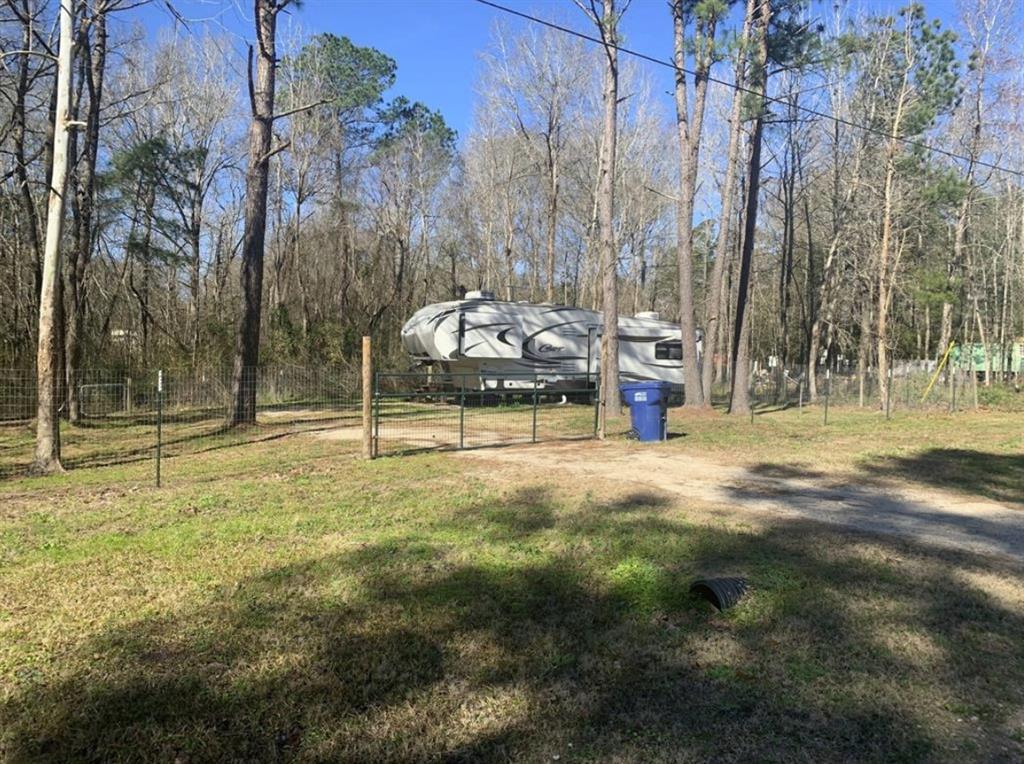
x=94 y=62
x=811 y=309
x=689 y=155
x=739 y=402
x=986 y=349
x=1004 y=366
x=247 y=345
x=864 y=346
x=714 y=301
x=610 y=401
x=18 y=130
x=787 y=184
x=552 y=213
x=884 y=277
x=926 y=350
x=719 y=342
x=146 y=317
x=953 y=267
x=47 y=451
x=739 y=399
x=195 y=274
x=886 y=273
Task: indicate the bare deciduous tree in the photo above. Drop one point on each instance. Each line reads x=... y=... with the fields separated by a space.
x=607 y=22
x=690 y=128
x=715 y=300
x=47 y=453
x=739 y=400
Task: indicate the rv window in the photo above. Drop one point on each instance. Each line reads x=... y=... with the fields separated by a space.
x=669 y=351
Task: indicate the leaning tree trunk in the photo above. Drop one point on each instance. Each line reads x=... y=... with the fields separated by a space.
x=47 y=453
x=247 y=344
x=739 y=400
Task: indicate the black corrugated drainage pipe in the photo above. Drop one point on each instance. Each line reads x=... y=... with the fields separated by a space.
x=722 y=593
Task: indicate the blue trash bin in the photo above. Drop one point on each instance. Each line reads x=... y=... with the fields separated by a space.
x=648 y=409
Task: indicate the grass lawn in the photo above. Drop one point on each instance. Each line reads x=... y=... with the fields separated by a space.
x=284 y=600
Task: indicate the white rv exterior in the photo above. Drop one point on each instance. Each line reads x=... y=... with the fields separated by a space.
x=483 y=343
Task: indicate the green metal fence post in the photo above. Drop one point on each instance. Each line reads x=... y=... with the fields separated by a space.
x=597 y=404
x=534 y=408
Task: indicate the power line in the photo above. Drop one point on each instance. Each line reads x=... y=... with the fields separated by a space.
x=735 y=86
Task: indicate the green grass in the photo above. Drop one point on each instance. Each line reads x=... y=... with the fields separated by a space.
x=284 y=600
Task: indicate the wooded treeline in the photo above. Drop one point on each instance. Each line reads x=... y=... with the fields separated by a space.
x=747 y=211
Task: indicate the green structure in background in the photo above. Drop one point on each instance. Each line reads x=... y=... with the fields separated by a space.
x=1005 y=359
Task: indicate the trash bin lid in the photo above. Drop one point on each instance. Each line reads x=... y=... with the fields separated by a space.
x=644 y=384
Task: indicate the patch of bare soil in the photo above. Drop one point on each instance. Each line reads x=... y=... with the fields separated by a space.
x=403 y=437
x=340 y=433
x=927 y=516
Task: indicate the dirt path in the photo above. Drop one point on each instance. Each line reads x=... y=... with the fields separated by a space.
x=927 y=516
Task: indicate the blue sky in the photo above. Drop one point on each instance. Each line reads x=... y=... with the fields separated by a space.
x=436 y=43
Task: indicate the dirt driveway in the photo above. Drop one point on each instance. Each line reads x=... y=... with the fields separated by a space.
x=926 y=516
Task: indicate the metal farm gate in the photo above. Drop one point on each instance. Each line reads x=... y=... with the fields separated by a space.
x=423 y=411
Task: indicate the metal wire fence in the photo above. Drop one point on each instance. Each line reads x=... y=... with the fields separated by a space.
x=111 y=417
x=424 y=411
x=909 y=387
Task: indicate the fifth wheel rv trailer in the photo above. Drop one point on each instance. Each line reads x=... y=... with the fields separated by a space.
x=487 y=344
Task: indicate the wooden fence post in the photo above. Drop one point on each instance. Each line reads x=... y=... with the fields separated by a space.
x=367 y=401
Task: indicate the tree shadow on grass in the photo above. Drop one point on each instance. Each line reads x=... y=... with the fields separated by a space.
x=635 y=501
x=995 y=476
x=483 y=640
x=792 y=470
x=120 y=440
x=215 y=438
